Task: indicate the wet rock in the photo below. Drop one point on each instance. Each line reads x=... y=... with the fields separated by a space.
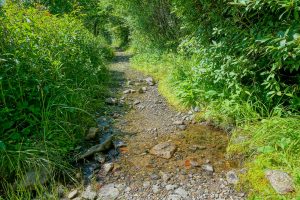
x=73 y=194
x=106 y=145
x=164 y=150
x=208 y=168
x=179 y=122
x=99 y=157
x=150 y=81
x=92 y=133
x=180 y=191
x=119 y=143
x=108 y=192
x=280 y=181
x=232 y=177
x=107 y=167
x=89 y=194
x=111 y=101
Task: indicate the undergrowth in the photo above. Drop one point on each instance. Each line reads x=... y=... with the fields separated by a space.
x=52 y=79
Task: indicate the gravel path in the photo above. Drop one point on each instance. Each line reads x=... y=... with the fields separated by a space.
x=197 y=164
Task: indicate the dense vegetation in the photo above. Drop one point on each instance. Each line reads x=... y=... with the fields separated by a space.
x=237 y=60
x=52 y=79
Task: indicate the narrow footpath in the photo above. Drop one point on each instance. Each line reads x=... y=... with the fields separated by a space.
x=158 y=152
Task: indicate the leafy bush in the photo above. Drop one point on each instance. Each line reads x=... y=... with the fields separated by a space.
x=52 y=75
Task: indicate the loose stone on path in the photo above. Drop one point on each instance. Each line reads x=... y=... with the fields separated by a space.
x=164 y=150
x=280 y=181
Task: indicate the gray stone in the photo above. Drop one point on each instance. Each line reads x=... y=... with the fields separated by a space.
x=208 y=168
x=155 y=189
x=99 y=157
x=150 y=81
x=182 y=127
x=164 y=150
x=180 y=191
x=108 y=192
x=174 y=197
x=111 y=101
x=73 y=194
x=88 y=194
x=107 y=167
x=280 y=181
x=171 y=187
x=165 y=176
x=146 y=184
x=232 y=178
x=178 y=123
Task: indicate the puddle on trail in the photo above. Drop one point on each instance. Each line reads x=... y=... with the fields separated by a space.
x=200 y=144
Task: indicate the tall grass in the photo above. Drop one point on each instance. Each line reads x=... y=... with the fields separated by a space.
x=52 y=78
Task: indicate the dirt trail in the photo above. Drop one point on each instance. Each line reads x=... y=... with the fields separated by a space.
x=197 y=169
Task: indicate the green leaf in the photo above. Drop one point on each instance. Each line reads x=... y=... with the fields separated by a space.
x=266 y=149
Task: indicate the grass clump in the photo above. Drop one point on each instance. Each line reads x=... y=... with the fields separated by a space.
x=270 y=144
x=52 y=76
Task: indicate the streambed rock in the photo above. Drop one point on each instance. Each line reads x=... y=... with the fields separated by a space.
x=164 y=150
x=106 y=145
x=280 y=181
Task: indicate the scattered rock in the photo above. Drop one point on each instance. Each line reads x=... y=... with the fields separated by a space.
x=136 y=102
x=119 y=143
x=73 y=194
x=88 y=194
x=155 y=189
x=107 y=167
x=92 y=133
x=165 y=177
x=150 y=81
x=106 y=145
x=108 y=192
x=280 y=181
x=99 y=157
x=182 y=127
x=194 y=163
x=171 y=187
x=130 y=83
x=174 y=197
x=232 y=178
x=208 y=168
x=130 y=91
x=146 y=184
x=177 y=123
x=164 y=150
x=111 y=101
x=142 y=90
x=180 y=191
x=194 y=148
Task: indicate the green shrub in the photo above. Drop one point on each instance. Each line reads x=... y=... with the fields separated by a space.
x=52 y=75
